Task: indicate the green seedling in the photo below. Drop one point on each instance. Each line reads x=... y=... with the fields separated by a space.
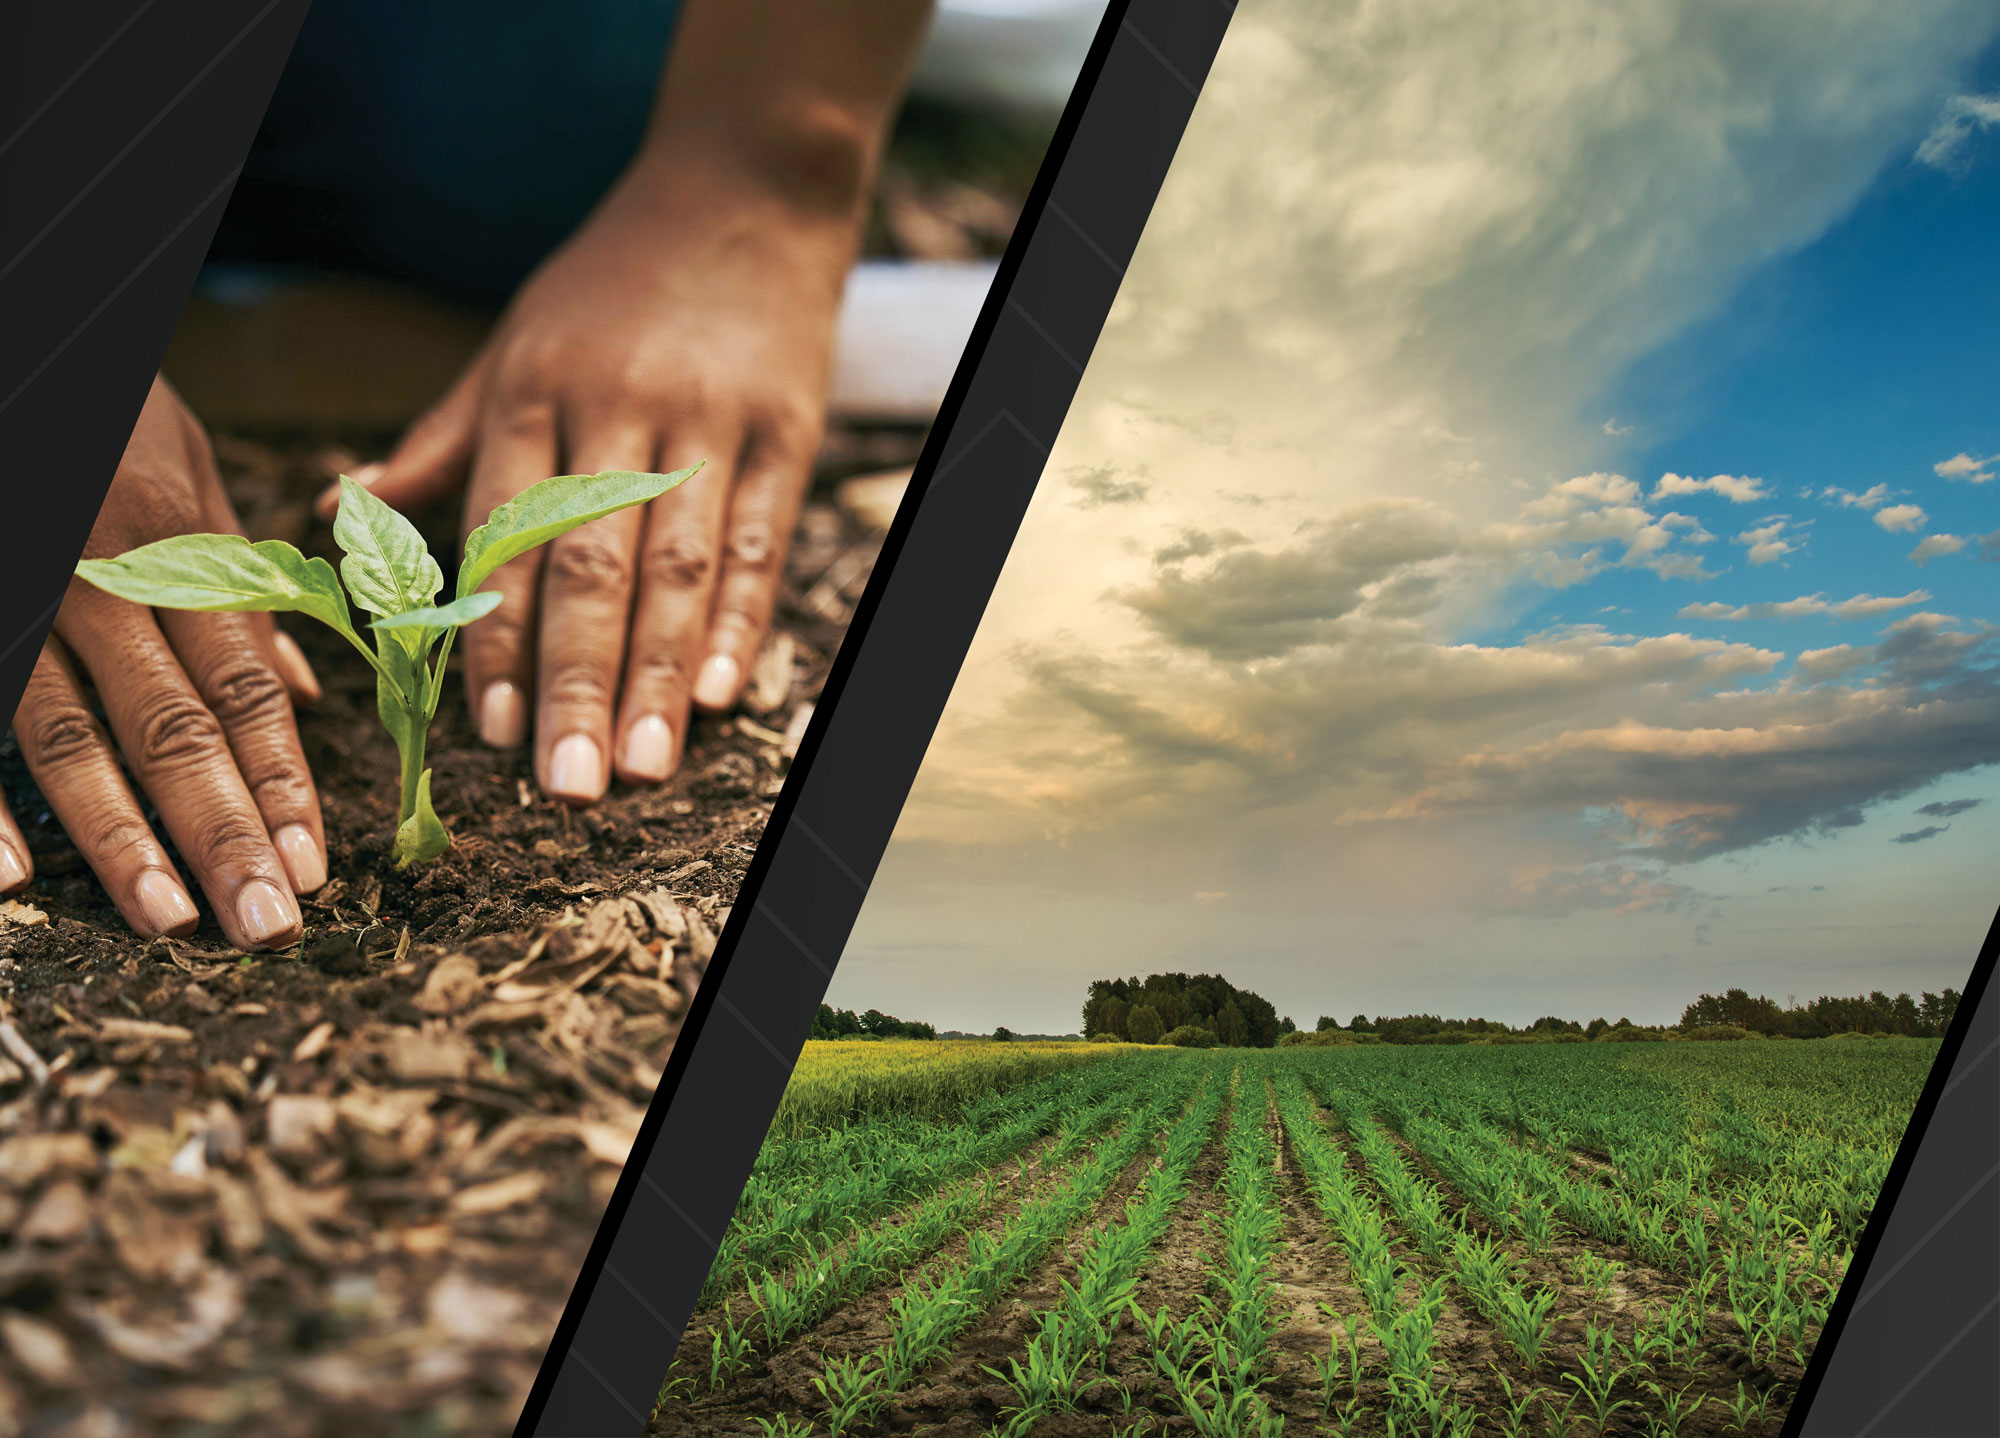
x=390 y=574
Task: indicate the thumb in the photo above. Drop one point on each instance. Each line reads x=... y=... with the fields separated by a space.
x=16 y=866
x=434 y=456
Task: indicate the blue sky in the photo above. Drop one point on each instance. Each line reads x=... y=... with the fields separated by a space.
x=1865 y=359
x=1395 y=627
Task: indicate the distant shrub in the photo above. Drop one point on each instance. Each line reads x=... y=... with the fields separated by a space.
x=1322 y=1039
x=1191 y=1036
x=1104 y=1038
x=1566 y=1038
x=1719 y=1033
x=1631 y=1034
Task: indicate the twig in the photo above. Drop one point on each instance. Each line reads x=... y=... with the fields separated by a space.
x=18 y=1049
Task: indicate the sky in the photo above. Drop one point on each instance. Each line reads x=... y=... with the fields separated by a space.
x=1523 y=545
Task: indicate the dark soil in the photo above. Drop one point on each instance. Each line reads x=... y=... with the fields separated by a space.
x=348 y=1187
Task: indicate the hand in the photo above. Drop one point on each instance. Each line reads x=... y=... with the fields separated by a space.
x=199 y=706
x=690 y=321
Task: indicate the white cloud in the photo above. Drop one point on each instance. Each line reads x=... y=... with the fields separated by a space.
x=1874 y=497
x=1901 y=518
x=1768 y=542
x=1861 y=606
x=1367 y=379
x=1963 y=466
x=1944 y=147
x=1736 y=489
x=1931 y=546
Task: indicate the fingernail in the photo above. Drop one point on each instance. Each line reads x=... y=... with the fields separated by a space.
x=503 y=717
x=715 y=686
x=265 y=912
x=576 y=768
x=164 y=902
x=298 y=674
x=648 y=750
x=366 y=475
x=13 y=873
x=305 y=865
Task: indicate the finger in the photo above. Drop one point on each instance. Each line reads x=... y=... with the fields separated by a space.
x=763 y=511
x=280 y=650
x=17 y=865
x=677 y=566
x=516 y=449
x=246 y=693
x=586 y=610
x=72 y=761
x=179 y=752
x=292 y=666
x=433 y=456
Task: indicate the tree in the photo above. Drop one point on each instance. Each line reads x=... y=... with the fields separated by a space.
x=1360 y=1025
x=1178 y=1000
x=1286 y=1026
x=1003 y=1035
x=1326 y=1025
x=1231 y=1027
x=1143 y=1025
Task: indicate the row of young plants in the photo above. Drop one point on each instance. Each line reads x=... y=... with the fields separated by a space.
x=820 y=1188
x=1068 y=1356
x=1482 y=1269
x=774 y=1306
x=934 y=1309
x=1216 y=1359
x=1403 y=1327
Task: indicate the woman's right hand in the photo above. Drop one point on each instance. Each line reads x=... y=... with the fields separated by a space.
x=199 y=707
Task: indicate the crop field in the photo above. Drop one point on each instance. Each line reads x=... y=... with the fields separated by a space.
x=1560 y=1239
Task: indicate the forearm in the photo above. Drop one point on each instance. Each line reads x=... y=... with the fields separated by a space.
x=785 y=101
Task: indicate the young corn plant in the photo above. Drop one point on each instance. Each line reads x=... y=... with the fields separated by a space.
x=389 y=573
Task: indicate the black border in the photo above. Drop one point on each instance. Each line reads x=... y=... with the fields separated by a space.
x=1868 y=1387
x=882 y=701
x=121 y=136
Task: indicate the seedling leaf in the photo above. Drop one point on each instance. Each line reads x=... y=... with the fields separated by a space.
x=388 y=569
x=462 y=610
x=555 y=506
x=421 y=837
x=222 y=572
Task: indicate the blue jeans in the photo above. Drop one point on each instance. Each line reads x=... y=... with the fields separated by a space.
x=448 y=143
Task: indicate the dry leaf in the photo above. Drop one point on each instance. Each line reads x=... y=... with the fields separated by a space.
x=771 y=677
x=41 y=1348
x=313 y=1044
x=29 y=1159
x=16 y=914
x=501 y=1193
x=298 y=1125
x=453 y=984
x=143 y=1031
x=430 y=1058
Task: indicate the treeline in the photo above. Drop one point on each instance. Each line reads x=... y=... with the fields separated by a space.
x=1730 y=1014
x=832 y=1023
x=1193 y=1010
x=1926 y=1016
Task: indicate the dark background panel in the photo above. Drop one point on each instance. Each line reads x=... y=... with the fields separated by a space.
x=122 y=128
x=1912 y=1348
x=805 y=887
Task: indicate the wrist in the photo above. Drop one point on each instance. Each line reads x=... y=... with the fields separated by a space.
x=809 y=158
